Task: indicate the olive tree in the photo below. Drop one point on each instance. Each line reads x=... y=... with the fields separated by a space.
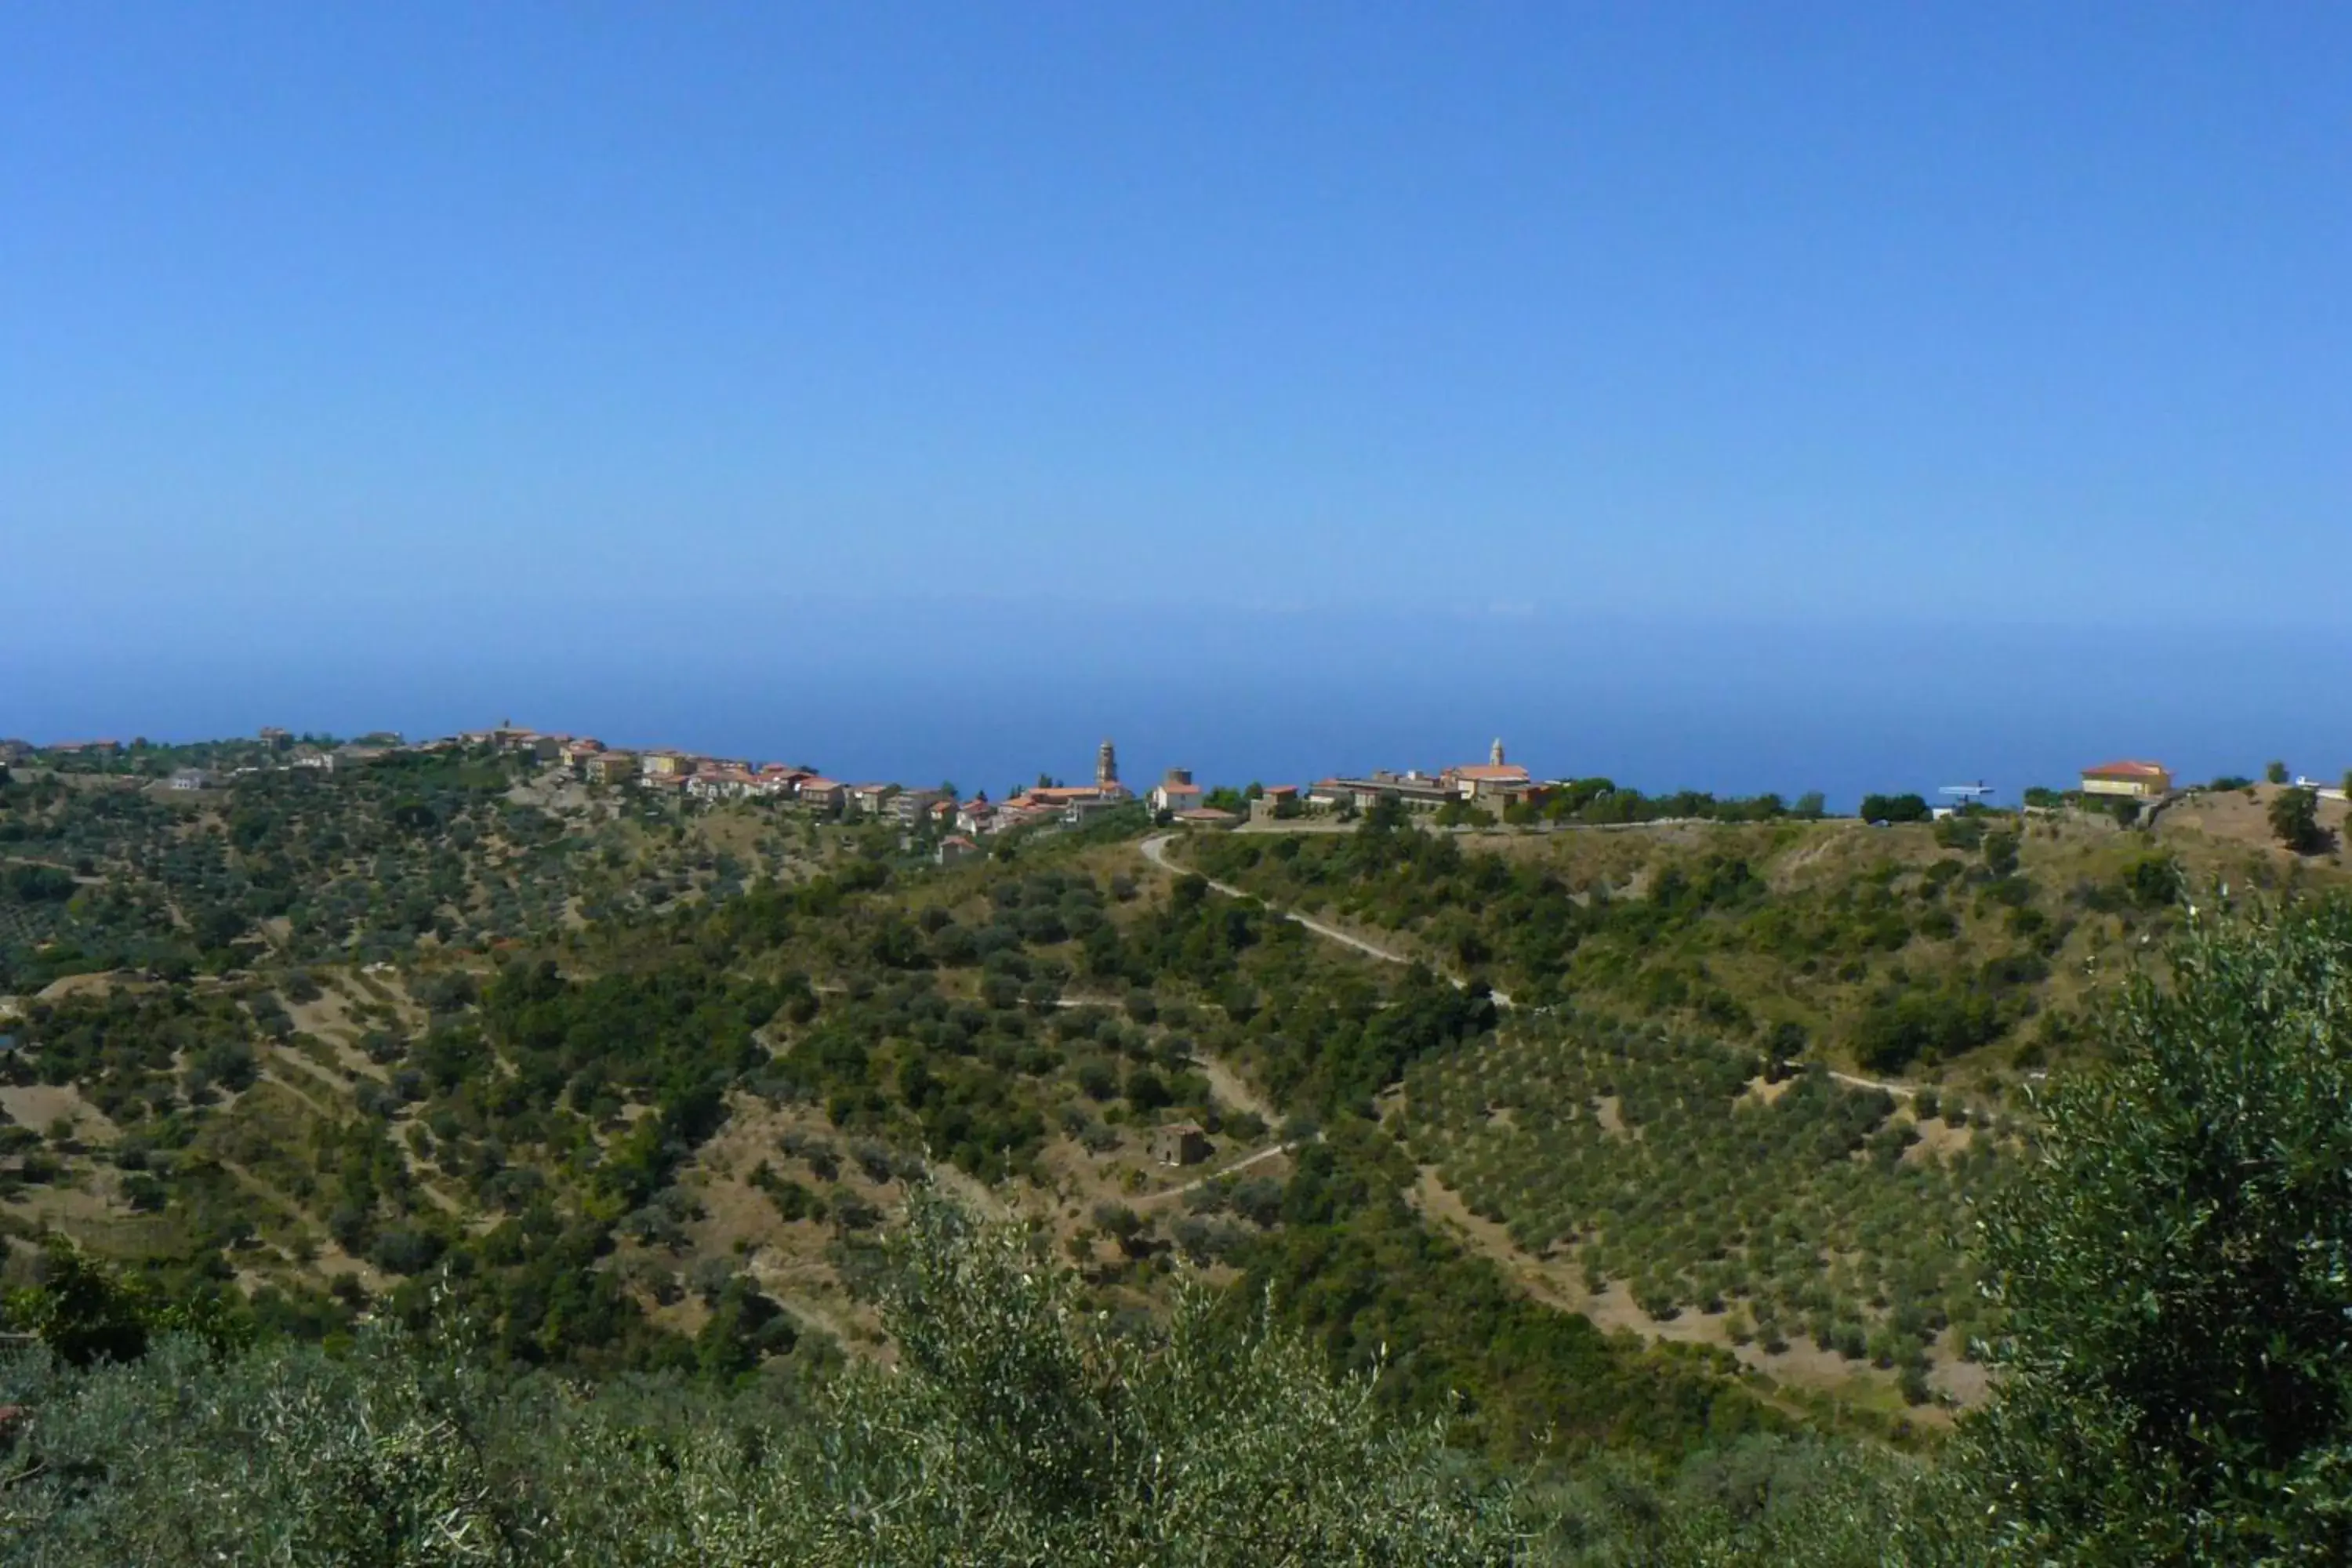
x=1015 y=1426
x=2176 y=1380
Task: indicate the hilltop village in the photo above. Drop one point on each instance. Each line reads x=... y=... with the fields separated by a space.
x=1492 y=786
x=1494 y=792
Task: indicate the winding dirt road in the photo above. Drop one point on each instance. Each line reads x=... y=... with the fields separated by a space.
x=1155 y=849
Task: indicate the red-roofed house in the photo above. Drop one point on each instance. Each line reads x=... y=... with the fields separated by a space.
x=719 y=783
x=780 y=782
x=824 y=793
x=955 y=848
x=2136 y=781
x=1176 y=791
x=1492 y=779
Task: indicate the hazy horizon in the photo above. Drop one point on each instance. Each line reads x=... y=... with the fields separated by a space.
x=988 y=696
x=1793 y=397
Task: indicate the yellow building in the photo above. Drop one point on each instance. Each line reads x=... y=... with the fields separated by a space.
x=2137 y=780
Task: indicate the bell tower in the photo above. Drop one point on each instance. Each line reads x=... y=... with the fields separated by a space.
x=1105 y=766
x=1496 y=754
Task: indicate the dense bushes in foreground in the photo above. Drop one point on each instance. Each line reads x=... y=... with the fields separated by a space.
x=1016 y=1427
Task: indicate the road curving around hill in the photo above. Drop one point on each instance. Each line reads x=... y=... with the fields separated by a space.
x=1155 y=849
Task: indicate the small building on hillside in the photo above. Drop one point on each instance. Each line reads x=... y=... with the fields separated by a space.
x=1274 y=801
x=275 y=738
x=870 y=799
x=663 y=765
x=2136 y=781
x=191 y=779
x=1412 y=789
x=1491 y=780
x=821 y=794
x=1078 y=813
x=1177 y=792
x=910 y=807
x=14 y=752
x=1180 y=1144
x=609 y=767
x=719 y=782
x=956 y=848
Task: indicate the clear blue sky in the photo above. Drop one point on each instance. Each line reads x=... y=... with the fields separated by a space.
x=505 y=316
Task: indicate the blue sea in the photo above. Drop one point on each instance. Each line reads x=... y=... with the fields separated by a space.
x=990 y=695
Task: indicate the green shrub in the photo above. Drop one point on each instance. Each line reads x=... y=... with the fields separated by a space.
x=1018 y=1428
x=2175 y=1386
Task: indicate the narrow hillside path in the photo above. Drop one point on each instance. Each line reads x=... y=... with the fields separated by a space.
x=1197 y=1183
x=286 y=1085
x=1899 y=1090
x=1155 y=849
x=1557 y=1284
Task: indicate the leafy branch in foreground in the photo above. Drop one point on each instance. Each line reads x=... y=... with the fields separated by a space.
x=2178 y=1274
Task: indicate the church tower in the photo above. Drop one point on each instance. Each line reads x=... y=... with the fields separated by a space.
x=1495 y=755
x=1105 y=766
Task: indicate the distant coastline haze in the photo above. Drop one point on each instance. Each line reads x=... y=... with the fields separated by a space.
x=1835 y=397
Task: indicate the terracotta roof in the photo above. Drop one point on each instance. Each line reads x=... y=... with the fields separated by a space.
x=1492 y=772
x=2124 y=771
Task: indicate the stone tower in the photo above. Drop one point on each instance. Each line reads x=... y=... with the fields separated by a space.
x=1105 y=766
x=1496 y=754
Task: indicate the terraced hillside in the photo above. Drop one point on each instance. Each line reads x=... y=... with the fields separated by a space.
x=666 y=1131
x=635 y=1085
